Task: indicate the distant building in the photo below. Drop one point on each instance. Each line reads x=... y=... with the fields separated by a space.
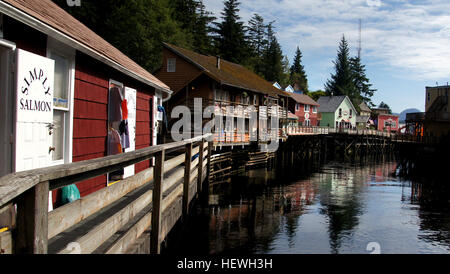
x=287 y=88
x=389 y=123
x=435 y=122
x=363 y=120
x=305 y=108
x=337 y=112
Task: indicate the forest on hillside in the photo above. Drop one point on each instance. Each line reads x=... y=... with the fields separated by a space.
x=139 y=27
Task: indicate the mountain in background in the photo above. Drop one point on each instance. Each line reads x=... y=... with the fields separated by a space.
x=406 y=111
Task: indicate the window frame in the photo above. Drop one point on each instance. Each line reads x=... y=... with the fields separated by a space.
x=56 y=47
x=307 y=108
x=174 y=65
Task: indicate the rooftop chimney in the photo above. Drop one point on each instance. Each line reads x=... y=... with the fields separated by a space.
x=218 y=62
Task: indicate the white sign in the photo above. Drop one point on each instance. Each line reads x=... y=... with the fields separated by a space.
x=306 y=116
x=35 y=82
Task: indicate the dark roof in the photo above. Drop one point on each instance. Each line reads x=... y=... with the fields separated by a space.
x=230 y=74
x=55 y=17
x=330 y=103
x=303 y=99
x=363 y=106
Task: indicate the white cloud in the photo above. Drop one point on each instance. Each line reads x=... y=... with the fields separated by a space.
x=374 y=3
x=412 y=39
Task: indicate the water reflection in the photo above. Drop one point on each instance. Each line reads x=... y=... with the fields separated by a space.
x=339 y=209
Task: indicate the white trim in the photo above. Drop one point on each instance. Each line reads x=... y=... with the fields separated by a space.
x=7 y=44
x=58 y=35
x=69 y=53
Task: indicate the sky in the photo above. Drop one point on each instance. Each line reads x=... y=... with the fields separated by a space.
x=405 y=43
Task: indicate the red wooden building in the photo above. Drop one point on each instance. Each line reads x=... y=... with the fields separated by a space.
x=387 y=122
x=305 y=108
x=68 y=93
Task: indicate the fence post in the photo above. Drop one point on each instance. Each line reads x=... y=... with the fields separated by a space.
x=200 y=167
x=32 y=221
x=208 y=165
x=155 y=240
x=187 y=178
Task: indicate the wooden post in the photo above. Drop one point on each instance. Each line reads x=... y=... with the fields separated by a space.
x=200 y=167
x=31 y=236
x=155 y=240
x=187 y=179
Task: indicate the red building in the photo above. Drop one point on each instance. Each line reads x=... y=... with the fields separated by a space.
x=74 y=90
x=388 y=123
x=305 y=108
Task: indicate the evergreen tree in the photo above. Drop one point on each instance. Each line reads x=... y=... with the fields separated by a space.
x=297 y=73
x=361 y=82
x=230 y=40
x=202 y=32
x=257 y=32
x=385 y=106
x=272 y=58
x=341 y=83
x=137 y=28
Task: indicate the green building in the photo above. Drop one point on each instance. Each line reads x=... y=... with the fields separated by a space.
x=337 y=112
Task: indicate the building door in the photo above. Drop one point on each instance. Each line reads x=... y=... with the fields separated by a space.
x=34 y=111
x=7 y=99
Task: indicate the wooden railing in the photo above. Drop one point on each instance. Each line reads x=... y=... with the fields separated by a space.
x=111 y=219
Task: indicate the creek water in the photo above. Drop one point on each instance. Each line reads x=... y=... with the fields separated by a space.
x=338 y=208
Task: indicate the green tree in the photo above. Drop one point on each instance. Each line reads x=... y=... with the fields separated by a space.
x=341 y=82
x=230 y=39
x=202 y=32
x=257 y=39
x=272 y=58
x=297 y=72
x=315 y=95
x=361 y=82
x=385 y=106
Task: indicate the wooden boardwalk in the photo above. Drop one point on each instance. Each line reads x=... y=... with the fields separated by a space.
x=113 y=220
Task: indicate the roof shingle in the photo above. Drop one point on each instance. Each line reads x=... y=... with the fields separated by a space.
x=303 y=99
x=55 y=17
x=230 y=74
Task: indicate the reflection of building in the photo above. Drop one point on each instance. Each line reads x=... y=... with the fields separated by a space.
x=435 y=122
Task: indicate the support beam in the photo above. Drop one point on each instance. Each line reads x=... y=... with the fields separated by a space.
x=187 y=179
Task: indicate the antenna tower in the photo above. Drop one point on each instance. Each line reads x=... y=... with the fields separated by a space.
x=360 y=39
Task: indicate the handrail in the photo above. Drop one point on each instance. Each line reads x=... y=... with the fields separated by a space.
x=15 y=184
x=143 y=192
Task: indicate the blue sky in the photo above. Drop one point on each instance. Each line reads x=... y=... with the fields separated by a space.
x=406 y=43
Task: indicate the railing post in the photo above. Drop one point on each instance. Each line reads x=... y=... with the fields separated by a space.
x=187 y=178
x=155 y=240
x=32 y=221
x=200 y=167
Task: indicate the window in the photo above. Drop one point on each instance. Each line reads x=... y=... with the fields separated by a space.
x=351 y=113
x=314 y=109
x=297 y=107
x=307 y=123
x=255 y=99
x=221 y=95
x=306 y=108
x=171 y=64
x=62 y=101
x=428 y=96
x=340 y=112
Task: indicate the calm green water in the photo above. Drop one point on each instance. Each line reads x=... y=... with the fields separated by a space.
x=341 y=208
